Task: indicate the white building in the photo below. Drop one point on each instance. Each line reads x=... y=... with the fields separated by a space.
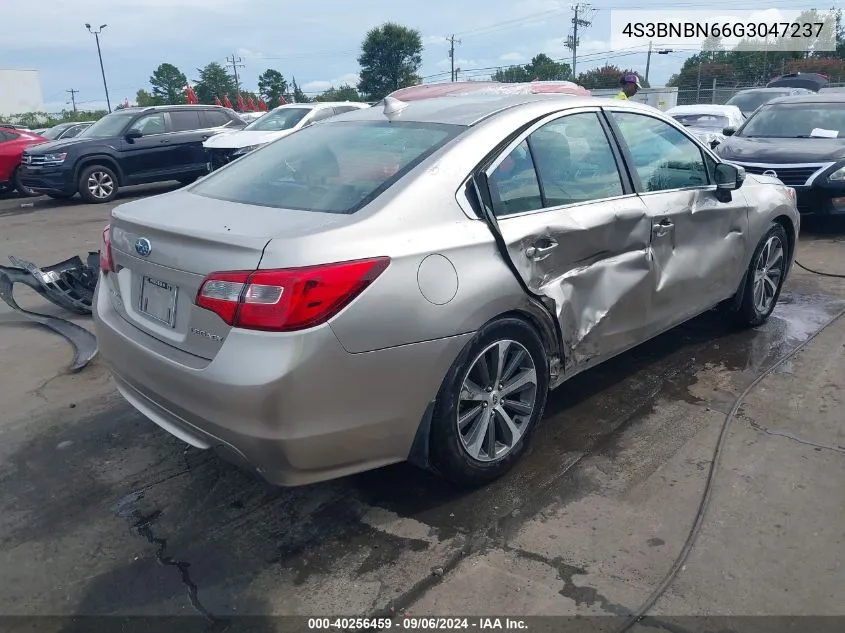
x=20 y=91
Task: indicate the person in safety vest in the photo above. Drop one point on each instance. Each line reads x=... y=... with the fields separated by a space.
x=630 y=85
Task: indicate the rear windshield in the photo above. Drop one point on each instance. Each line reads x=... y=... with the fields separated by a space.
x=702 y=121
x=334 y=167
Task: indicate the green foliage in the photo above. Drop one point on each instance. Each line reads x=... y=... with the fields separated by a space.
x=608 y=76
x=390 y=57
x=34 y=120
x=169 y=84
x=213 y=82
x=342 y=93
x=144 y=99
x=296 y=94
x=272 y=85
x=542 y=67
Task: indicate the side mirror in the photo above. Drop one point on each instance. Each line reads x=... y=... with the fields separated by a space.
x=729 y=131
x=132 y=134
x=729 y=177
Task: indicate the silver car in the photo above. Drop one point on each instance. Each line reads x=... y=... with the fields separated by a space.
x=407 y=282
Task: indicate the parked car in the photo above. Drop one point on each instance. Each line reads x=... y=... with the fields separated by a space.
x=66 y=130
x=811 y=81
x=801 y=141
x=407 y=282
x=131 y=146
x=277 y=123
x=13 y=126
x=13 y=142
x=707 y=121
x=751 y=99
x=249 y=117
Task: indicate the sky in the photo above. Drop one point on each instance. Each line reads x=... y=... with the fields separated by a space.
x=315 y=41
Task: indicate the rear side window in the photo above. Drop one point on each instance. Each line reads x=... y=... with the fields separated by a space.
x=337 y=167
x=7 y=136
x=185 y=120
x=215 y=118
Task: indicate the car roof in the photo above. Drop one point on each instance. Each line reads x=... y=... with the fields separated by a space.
x=775 y=89
x=470 y=109
x=815 y=97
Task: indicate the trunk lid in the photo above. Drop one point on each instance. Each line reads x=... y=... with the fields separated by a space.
x=163 y=247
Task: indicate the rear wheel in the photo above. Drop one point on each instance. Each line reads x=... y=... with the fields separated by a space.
x=97 y=184
x=21 y=188
x=765 y=277
x=490 y=403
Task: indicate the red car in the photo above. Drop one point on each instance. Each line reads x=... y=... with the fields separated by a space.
x=12 y=144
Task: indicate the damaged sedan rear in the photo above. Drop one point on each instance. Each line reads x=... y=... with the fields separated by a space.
x=407 y=282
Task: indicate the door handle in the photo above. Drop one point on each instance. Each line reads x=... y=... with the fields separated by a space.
x=164 y=141
x=537 y=253
x=663 y=228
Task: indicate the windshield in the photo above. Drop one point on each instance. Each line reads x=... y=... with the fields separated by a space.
x=110 y=125
x=277 y=120
x=53 y=132
x=337 y=167
x=714 y=122
x=750 y=101
x=797 y=120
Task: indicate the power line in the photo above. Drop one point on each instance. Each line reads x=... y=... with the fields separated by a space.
x=452 y=41
x=572 y=41
x=236 y=63
x=73 y=97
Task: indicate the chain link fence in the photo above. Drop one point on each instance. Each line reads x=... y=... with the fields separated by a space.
x=719 y=91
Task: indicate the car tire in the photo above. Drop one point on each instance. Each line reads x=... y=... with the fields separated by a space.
x=456 y=453
x=764 y=278
x=60 y=196
x=97 y=184
x=20 y=187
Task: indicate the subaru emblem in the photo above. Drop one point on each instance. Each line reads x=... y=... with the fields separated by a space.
x=143 y=246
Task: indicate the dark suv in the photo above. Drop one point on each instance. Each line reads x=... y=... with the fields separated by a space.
x=132 y=146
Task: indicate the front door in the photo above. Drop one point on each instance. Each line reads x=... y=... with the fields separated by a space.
x=698 y=242
x=576 y=232
x=187 y=134
x=148 y=158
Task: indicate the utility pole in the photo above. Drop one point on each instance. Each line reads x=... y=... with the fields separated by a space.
x=452 y=41
x=73 y=97
x=96 y=35
x=648 y=61
x=572 y=41
x=236 y=63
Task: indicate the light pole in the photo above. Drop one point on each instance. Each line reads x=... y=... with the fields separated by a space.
x=100 y=55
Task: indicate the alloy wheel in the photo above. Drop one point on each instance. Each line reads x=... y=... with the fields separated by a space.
x=768 y=271
x=100 y=184
x=497 y=398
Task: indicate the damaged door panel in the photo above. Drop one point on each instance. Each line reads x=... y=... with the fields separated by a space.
x=576 y=233
x=698 y=242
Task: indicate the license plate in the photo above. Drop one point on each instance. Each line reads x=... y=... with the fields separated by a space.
x=158 y=301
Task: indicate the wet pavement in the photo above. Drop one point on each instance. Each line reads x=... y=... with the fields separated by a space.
x=104 y=513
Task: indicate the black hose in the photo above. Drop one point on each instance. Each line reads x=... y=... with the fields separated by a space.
x=708 y=488
x=816 y=272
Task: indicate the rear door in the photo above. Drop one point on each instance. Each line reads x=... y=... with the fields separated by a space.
x=576 y=231
x=188 y=131
x=147 y=159
x=698 y=243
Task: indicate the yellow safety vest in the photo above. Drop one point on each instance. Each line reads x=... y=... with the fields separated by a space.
x=621 y=95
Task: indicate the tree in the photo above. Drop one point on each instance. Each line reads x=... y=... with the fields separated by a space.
x=168 y=84
x=272 y=85
x=144 y=99
x=390 y=57
x=607 y=76
x=542 y=67
x=213 y=82
x=296 y=95
x=342 y=93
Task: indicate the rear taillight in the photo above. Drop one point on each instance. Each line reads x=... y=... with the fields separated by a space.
x=289 y=299
x=106 y=264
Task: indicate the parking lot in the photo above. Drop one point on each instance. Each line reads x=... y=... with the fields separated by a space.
x=105 y=513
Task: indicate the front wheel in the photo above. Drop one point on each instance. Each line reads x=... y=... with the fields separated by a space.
x=21 y=188
x=490 y=403
x=765 y=277
x=97 y=184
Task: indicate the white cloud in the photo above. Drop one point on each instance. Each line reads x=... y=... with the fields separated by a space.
x=512 y=57
x=350 y=79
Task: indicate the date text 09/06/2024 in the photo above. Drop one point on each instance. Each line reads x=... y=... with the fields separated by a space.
x=417 y=624
x=803 y=30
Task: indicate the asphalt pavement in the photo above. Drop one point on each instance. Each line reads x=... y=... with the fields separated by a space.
x=106 y=514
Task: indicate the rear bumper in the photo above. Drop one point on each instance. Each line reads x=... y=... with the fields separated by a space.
x=296 y=408
x=48 y=179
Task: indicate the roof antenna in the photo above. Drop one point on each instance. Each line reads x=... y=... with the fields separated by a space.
x=393 y=107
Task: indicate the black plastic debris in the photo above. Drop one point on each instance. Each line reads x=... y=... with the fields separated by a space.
x=84 y=343
x=69 y=284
